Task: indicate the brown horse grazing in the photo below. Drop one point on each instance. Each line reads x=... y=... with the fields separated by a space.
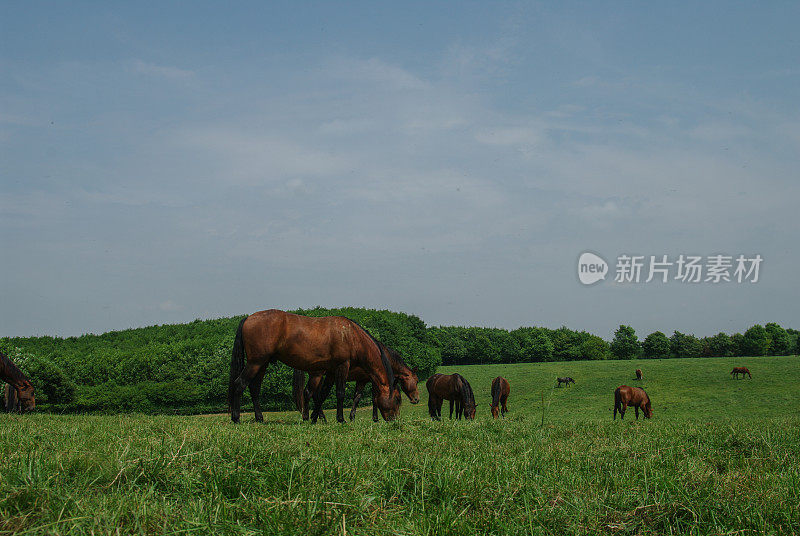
x=639 y=374
x=625 y=396
x=452 y=387
x=405 y=378
x=23 y=391
x=330 y=345
x=740 y=370
x=500 y=391
x=303 y=392
x=565 y=381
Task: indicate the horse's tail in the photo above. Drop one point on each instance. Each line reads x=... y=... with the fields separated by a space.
x=617 y=402
x=298 y=387
x=496 y=392
x=238 y=358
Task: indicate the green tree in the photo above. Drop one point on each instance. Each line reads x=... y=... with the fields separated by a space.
x=720 y=345
x=656 y=346
x=737 y=345
x=795 y=335
x=594 y=347
x=780 y=341
x=625 y=344
x=756 y=341
x=685 y=345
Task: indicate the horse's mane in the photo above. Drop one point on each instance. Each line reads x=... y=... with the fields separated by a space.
x=495 y=392
x=465 y=389
x=381 y=349
x=9 y=371
x=396 y=358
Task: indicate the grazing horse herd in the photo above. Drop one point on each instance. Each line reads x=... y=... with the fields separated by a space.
x=335 y=350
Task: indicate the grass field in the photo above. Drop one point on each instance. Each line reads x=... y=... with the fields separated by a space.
x=719 y=457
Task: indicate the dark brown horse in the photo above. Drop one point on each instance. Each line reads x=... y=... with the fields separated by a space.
x=500 y=391
x=404 y=377
x=329 y=345
x=22 y=388
x=452 y=387
x=639 y=374
x=566 y=381
x=625 y=396
x=740 y=370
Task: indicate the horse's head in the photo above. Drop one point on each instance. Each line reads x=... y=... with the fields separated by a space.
x=648 y=409
x=27 y=400
x=389 y=404
x=470 y=410
x=495 y=411
x=408 y=383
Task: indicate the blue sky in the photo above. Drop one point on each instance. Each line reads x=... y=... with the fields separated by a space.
x=169 y=161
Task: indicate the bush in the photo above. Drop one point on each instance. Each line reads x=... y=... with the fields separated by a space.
x=51 y=384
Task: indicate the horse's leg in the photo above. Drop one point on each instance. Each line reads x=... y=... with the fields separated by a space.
x=311 y=386
x=320 y=395
x=251 y=370
x=432 y=406
x=255 y=394
x=341 y=389
x=437 y=408
x=306 y=400
x=503 y=407
x=359 y=392
x=636 y=411
x=451 y=409
x=622 y=410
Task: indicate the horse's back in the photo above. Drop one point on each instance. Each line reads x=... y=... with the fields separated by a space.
x=630 y=395
x=444 y=385
x=308 y=343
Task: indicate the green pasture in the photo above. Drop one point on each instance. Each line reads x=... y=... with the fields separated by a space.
x=720 y=457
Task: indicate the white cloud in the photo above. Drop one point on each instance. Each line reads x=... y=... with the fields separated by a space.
x=165 y=71
x=170 y=306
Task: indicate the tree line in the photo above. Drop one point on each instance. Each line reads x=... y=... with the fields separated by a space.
x=183 y=368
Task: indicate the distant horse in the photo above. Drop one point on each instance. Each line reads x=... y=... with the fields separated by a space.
x=639 y=374
x=331 y=345
x=565 y=381
x=20 y=388
x=404 y=376
x=452 y=387
x=500 y=391
x=625 y=396
x=740 y=370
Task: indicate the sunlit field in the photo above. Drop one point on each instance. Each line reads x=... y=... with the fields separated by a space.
x=720 y=456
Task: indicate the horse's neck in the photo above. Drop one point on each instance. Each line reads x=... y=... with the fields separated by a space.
x=11 y=375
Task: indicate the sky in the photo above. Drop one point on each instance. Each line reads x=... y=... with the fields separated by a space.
x=167 y=161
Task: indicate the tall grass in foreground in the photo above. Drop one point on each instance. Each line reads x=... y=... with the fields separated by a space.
x=722 y=463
